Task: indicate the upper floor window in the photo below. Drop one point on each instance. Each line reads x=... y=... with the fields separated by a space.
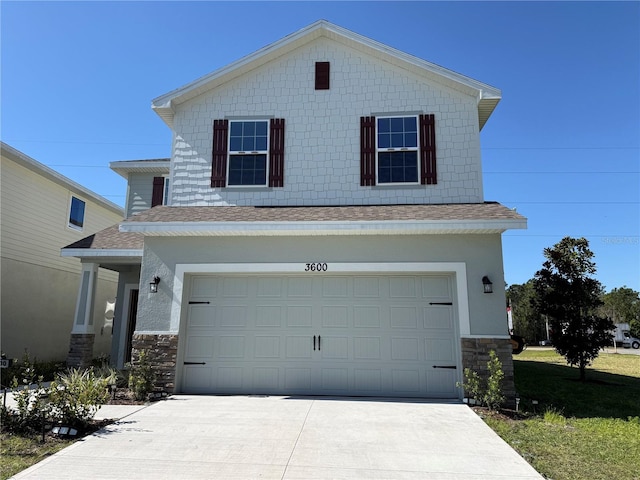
x=248 y=153
x=160 y=193
x=398 y=150
x=76 y=213
x=248 y=141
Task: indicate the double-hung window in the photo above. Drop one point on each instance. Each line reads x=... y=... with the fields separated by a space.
x=248 y=153
x=398 y=150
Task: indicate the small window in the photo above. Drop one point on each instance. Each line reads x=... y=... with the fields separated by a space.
x=397 y=149
x=248 y=149
x=76 y=213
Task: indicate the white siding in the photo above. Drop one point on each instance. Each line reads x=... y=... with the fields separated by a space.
x=139 y=192
x=322 y=138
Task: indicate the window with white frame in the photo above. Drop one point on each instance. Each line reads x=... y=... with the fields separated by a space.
x=248 y=152
x=397 y=150
x=76 y=213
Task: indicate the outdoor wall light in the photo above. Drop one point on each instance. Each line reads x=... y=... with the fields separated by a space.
x=486 y=283
x=153 y=286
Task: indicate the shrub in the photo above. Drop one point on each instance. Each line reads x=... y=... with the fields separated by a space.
x=472 y=386
x=493 y=396
x=76 y=396
x=142 y=377
x=487 y=393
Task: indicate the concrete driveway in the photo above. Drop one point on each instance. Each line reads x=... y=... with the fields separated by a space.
x=226 y=437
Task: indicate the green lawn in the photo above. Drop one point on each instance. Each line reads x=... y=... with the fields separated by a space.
x=577 y=430
x=18 y=452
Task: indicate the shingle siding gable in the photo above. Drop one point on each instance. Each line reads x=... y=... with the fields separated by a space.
x=323 y=134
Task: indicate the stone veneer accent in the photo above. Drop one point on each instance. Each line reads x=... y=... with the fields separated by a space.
x=162 y=351
x=475 y=355
x=80 y=350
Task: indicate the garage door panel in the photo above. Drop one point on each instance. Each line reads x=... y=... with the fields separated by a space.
x=405 y=349
x=200 y=346
x=379 y=335
x=403 y=317
x=267 y=347
x=335 y=316
x=270 y=287
x=438 y=317
x=235 y=287
x=368 y=380
x=441 y=383
x=406 y=381
x=439 y=349
x=298 y=379
x=266 y=378
x=436 y=287
x=233 y=316
x=298 y=347
x=268 y=316
x=229 y=379
x=202 y=315
x=334 y=348
x=334 y=380
x=300 y=316
x=231 y=346
x=335 y=287
x=204 y=286
x=366 y=287
x=402 y=287
x=366 y=316
x=198 y=378
x=367 y=348
x=300 y=287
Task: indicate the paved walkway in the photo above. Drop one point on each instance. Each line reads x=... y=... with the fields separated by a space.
x=227 y=437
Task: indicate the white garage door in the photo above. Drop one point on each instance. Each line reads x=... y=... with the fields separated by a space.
x=321 y=335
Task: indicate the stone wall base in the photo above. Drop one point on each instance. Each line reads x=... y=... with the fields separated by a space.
x=80 y=350
x=475 y=355
x=162 y=351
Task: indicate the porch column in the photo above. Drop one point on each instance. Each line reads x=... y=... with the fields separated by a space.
x=83 y=334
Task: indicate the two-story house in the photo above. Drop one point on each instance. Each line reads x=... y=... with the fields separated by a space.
x=41 y=210
x=325 y=230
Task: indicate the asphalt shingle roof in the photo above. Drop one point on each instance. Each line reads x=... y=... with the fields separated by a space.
x=377 y=213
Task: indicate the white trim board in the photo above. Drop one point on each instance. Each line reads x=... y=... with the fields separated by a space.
x=459 y=269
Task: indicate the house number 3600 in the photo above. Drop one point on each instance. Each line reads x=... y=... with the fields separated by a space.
x=315 y=267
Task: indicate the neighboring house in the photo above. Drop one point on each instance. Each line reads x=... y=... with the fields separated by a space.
x=325 y=230
x=40 y=211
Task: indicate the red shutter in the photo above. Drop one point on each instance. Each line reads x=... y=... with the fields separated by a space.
x=428 y=150
x=367 y=151
x=158 y=191
x=276 y=152
x=322 y=75
x=219 y=161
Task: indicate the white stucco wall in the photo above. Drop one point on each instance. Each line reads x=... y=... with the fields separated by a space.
x=322 y=137
x=482 y=255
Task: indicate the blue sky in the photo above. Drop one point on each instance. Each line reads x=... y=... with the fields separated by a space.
x=563 y=145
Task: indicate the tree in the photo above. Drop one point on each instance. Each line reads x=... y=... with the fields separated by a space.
x=622 y=305
x=527 y=321
x=570 y=296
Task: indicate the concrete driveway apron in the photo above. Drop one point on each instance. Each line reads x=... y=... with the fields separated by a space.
x=227 y=437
